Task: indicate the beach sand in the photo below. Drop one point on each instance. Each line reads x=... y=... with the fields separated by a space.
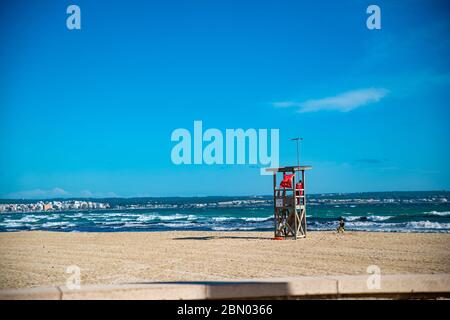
x=30 y=259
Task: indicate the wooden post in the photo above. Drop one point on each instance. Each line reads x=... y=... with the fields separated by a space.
x=304 y=199
x=275 y=202
x=294 y=205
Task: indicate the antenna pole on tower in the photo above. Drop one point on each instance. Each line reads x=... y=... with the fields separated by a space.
x=298 y=139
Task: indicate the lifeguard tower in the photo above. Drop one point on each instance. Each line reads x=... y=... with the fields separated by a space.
x=290 y=202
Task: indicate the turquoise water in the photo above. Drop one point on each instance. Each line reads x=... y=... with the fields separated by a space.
x=402 y=214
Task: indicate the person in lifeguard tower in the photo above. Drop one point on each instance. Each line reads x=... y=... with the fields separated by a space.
x=299 y=190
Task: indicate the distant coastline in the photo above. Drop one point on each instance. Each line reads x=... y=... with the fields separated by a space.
x=80 y=204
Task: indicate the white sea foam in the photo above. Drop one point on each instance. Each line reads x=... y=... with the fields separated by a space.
x=370 y=218
x=173 y=217
x=374 y=224
x=353 y=218
x=427 y=225
x=12 y=225
x=52 y=217
x=437 y=213
x=117 y=214
x=220 y=219
x=379 y=218
x=24 y=219
x=360 y=224
x=111 y=223
x=58 y=224
x=258 y=219
x=153 y=217
x=78 y=215
x=132 y=224
x=175 y=225
x=146 y=218
x=223 y=228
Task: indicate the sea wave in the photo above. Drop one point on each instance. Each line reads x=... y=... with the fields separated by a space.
x=257 y=219
x=379 y=218
x=176 y=225
x=438 y=213
x=59 y=224
x=368 y=218
x=427 y=225
x=223 y=220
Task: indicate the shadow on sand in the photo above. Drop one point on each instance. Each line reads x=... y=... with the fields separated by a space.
x=223 y=237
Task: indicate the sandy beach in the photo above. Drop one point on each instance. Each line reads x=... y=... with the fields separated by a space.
x=31 y=259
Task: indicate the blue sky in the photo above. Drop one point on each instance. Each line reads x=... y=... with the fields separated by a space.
x=90 y=112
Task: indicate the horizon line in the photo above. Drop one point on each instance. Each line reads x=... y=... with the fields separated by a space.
x=217 y=196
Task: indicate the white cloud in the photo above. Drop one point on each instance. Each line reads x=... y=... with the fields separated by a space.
x=86 y=193
x=343 y=102
x=38 y=194
x=285 y=104
x=90 y=194
x=57 y=193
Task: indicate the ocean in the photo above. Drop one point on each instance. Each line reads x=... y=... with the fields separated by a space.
x=387 y=211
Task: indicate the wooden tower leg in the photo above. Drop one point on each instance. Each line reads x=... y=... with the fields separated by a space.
x=294 y=206
x=304 y=202
x=276 y=213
